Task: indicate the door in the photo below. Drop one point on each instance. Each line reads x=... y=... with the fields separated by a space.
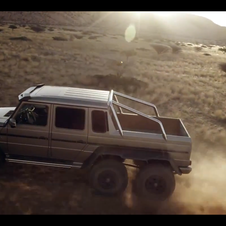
x=69 y=132
x=30 y=138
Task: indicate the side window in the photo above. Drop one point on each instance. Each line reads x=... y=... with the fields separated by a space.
x=70 y=118
x=32 y=114
x=99 y=121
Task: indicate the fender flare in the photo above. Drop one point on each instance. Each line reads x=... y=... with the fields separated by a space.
x=133 y=154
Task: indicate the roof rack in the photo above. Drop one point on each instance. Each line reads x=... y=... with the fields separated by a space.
x=113 y=98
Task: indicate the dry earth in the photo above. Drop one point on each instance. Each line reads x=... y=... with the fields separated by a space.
x=188 y=85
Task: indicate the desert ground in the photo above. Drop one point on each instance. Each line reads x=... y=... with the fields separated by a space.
x=187 y=84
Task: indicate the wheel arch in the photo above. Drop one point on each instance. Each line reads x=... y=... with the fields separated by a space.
x=122 y=153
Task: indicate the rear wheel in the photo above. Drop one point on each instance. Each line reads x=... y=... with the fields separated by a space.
x=109 y=177
x=155 y=182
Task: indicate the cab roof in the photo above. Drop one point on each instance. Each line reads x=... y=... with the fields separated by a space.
x=67 y=95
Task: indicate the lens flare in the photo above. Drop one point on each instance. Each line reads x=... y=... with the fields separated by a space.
x=130 y=33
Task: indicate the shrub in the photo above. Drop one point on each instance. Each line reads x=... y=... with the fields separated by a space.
x=37 y=28
x=223 y=49
x=178 y=43
x=93 y=37
x=160 y=48
x=78 y=36
x=59 y=39
x=222 y=67
x=22 y=38
x=12 y=27
x=143 y=49
x=87 y=32
x=198 y=48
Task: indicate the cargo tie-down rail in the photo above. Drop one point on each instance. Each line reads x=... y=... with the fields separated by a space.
x=114 y=94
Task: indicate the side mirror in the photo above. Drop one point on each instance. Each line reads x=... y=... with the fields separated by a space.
x=12 y=122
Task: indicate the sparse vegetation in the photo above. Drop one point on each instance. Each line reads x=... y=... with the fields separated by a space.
x=222 y=67
x=87 y=32
x=60 y=38
x=198 y=48
x=21 y=38
x=206 y=54
x=13 y=27
x=93 y=37
x=77 y=36
x=223 y=49
x=143 y=49
x=37 y=29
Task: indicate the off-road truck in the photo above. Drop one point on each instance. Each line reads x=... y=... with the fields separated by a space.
x=90 y=129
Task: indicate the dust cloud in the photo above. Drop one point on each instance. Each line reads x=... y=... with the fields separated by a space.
x=200 y=192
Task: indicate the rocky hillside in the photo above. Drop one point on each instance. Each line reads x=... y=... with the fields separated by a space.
x=183 y=26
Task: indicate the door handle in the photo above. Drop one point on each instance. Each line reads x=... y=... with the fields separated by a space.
x=80 y=141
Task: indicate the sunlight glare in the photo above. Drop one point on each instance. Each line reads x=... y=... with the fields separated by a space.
x=138 y=13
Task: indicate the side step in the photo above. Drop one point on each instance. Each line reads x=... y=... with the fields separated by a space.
x=76 y=165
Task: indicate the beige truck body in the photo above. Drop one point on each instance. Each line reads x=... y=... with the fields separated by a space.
x=101 y=128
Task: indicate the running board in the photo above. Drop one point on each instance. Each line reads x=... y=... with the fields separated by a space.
x=78 y=165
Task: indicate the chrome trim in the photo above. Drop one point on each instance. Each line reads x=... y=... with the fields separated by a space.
x=139 y=101
x=120 y=109
x=142 y=114
x=117 y=121
x=110 y=97
x=43 y=163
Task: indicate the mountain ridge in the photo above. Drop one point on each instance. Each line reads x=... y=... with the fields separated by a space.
x=180 y=24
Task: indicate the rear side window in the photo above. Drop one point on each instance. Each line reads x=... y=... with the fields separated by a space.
x=70 y=118
x=99 y=121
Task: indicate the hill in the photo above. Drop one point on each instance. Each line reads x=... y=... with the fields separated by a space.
x=187 y=27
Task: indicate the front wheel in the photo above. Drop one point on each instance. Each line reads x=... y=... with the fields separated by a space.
x=109 y=177
x=155 y=182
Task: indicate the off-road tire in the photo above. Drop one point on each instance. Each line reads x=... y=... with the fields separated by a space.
x=109 y=177
x=155 y=182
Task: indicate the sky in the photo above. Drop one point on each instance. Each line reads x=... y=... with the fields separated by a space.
x=218 y=17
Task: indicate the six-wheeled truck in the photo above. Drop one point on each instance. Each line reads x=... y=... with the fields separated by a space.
x=90 y=129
